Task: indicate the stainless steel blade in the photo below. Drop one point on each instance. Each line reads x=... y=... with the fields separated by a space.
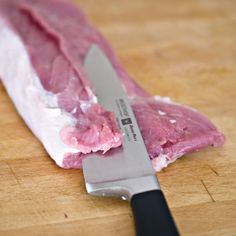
x=129 y=163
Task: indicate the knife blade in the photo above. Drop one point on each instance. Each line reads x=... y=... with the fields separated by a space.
x=127 y=171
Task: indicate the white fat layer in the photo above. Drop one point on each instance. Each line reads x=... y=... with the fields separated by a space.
x=74 y=110
x=38 y=107
x=163 y=99
x=161 y=113
x=170 y=101
x=86 y=105
x=162 y=160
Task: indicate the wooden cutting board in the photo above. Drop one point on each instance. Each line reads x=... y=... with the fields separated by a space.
x=182 y=49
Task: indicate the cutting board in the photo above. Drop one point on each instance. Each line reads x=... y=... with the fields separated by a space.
x=181 y=49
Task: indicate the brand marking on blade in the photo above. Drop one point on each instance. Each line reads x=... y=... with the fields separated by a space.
x=125 y=121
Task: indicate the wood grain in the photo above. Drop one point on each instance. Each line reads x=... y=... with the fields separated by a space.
x=181 y=49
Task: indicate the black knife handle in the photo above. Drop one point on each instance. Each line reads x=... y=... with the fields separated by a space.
x=151 y=215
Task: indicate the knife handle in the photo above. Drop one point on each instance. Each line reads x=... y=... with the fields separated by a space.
x=151 y=214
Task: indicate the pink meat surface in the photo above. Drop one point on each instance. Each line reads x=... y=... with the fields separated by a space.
x=42 y=70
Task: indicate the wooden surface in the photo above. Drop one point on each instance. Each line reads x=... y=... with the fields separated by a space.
x=182 y=49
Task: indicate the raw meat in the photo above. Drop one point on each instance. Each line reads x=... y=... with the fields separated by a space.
x=42 y=47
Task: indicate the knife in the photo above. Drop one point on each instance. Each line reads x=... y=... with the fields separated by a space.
x=127 y=171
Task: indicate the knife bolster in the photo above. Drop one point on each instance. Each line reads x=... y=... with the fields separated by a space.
x=125 y=188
